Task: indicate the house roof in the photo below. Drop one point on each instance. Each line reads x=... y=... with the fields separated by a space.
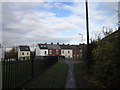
x=112 y=36
x=24 y=48
x=53 y=46
x=75 y=47
x=65 y=46
x=43 y=46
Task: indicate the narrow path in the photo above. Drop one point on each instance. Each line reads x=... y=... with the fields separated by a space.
x=71 y=83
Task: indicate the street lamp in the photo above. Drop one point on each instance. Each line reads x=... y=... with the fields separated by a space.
x=82 y=37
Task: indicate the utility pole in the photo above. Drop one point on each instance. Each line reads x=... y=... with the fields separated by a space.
x=1 y=66
x=87 y=23
x=87 y=28
x=119 y=15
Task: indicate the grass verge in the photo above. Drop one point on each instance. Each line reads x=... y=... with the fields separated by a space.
x=53 y=77
x=83 y=78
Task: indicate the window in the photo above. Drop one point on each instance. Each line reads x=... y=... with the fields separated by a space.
x=27 y=53
x=80 y=50
x=68 y=51
x=23 y=58
x=45 y=52
x=27 y=48
x=44 y=45
x=50 y=51
x=22 y=53
x=63 y=52
x=68 y=56
x=56 y=51
x=41 y=45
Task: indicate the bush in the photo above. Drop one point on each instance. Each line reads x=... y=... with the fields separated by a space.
x=106 y=62
x=87 y=53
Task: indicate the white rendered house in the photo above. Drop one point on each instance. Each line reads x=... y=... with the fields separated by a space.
x=66 y=51
x=41 y=50
x=24 y=53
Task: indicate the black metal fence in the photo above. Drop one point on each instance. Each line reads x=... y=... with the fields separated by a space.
x=17 y=72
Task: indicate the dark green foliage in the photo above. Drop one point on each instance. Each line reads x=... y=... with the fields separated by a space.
x=87 y=53
x=102 y=56
x=107 y=62
x=103 y=59
x=83 y=77
x=11 y=54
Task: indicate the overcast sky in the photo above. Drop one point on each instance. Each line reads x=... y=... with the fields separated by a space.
x=46 y=22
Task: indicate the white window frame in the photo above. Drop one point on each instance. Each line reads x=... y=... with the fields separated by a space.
x=57 y=52
x=50 y=51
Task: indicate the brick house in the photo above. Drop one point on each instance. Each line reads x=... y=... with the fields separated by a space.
x=68 y=51
x=54 y=49
x=82 y=48
x=76 y=51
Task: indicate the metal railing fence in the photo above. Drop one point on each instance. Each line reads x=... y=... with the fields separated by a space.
x=16 y=72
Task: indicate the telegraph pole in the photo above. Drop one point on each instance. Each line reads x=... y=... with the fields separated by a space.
x=87 y=23
x=87 y=28
x=119 y=15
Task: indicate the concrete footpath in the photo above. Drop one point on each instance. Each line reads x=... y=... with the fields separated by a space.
x=70 y=82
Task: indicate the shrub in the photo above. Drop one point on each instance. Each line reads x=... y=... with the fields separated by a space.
x=106 y=62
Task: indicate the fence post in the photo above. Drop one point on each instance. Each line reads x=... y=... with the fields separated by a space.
x=1 y=46
x=32 y=65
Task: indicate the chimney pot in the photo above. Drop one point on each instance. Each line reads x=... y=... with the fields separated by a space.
x=51 y=43
x=58 y=43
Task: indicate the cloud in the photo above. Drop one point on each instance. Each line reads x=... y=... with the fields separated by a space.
x=37 y=22
x=77 y=8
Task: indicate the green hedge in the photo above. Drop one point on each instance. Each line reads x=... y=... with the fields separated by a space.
x=104 y=61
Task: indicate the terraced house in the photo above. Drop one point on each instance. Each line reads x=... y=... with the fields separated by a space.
x=76 y=51
x=41 y=50
x=54 y=49
x=68 y=51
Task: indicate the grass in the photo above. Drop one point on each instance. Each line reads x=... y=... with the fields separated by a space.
x=53 y=77
x=83 y=77
x=17 y=72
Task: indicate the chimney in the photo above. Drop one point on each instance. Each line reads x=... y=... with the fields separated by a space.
x=51 y=43
x=45 y=43
x=63 y=44
x=58 y=43
x=68 y=44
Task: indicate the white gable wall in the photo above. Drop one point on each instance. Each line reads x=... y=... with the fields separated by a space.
x=19 y=55
x=67 y=53
x=41 y=52
x=26 y=54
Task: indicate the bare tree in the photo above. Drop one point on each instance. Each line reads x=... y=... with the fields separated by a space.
x=107 y=31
